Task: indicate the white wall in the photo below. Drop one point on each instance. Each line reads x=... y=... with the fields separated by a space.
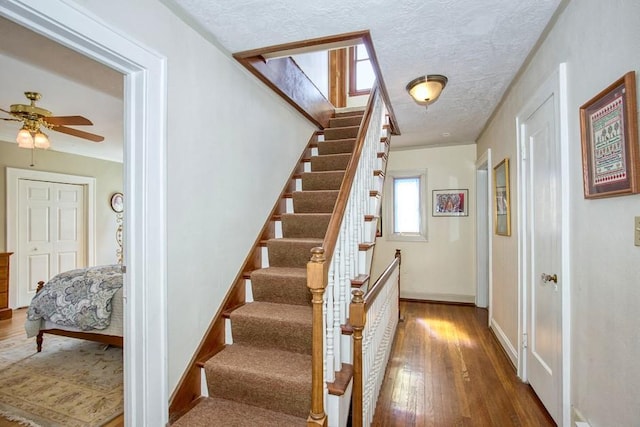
x=444 y=267
x=231 y=145
x=600 y=41
x=316 y=66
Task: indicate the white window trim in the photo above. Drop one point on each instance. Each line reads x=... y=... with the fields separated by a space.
x=421 y=236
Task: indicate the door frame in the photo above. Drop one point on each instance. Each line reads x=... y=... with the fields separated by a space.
x=145 y=244
x=484 y=232
x=555 y=85
x=13 y=176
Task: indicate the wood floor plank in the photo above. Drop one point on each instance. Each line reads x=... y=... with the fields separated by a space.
x=13 y=326
x=447 y=369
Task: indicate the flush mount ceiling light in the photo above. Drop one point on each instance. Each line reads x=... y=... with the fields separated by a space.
x=425 y=90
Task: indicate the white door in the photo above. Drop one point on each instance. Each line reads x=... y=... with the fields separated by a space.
x=542 y=176
x=51 y=233
x=483 y=234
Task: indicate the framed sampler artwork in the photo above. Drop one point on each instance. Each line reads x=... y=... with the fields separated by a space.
x=609 y=136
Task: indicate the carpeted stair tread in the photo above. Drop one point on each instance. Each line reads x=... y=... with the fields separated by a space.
x=341 y=132
x=314 y=201
x=305 y=224
x=336 y=146
x=273 y=379
x=330 y=162
x=328 y=180
x=345 y=121
x=343 y=112
x=281 y=285
x=212 y=411
x=291 y=252
x=269 y=325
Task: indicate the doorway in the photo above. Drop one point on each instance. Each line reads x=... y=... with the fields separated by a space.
x=483 y=231
x=145 y=363
x=543 y=358
x=37 y=204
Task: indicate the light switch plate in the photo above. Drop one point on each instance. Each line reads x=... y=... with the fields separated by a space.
x=636 y=228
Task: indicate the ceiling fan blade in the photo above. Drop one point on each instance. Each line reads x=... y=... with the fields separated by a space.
x=68 y=120
x=12 y=119
x=8 y=112
x=79 y=133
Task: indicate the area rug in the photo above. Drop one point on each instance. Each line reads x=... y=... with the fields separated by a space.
x=70 y=383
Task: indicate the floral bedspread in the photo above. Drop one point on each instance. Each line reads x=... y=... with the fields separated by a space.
x=79 y=298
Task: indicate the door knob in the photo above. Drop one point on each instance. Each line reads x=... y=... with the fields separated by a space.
x=548 y=278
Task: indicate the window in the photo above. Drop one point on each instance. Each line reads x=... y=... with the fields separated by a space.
x=406 y=205
x=361 y=75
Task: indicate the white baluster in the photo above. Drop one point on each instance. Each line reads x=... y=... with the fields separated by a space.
x=329 y=373
x=337 y=321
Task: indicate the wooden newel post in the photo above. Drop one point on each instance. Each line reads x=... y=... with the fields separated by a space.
x=316 y=282
x=399 y=256
x=357 y=318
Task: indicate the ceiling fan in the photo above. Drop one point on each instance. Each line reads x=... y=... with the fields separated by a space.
x=34 y=117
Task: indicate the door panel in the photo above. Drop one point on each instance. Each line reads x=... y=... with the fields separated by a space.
x=38 y=224
x=67 y=224
x=67 y=261
x=51 y=233
x=543 y=239
x=39 y=266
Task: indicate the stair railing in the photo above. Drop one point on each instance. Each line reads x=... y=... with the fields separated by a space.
x=374 y=318
x=332 y=266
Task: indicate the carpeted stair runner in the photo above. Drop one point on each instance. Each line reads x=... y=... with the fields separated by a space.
x=264 y=377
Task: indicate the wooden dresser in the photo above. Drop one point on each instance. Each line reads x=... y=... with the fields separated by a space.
x=5 y=311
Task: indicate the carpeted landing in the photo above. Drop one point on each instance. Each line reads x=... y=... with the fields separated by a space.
x=264 y=377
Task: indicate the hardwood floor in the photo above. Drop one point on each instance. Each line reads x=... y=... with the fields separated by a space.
x=446 y=369
x=15 y=326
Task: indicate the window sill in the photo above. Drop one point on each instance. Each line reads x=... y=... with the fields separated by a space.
x=406 y=237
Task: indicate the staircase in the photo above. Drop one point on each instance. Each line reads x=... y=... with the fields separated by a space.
x=264 y=376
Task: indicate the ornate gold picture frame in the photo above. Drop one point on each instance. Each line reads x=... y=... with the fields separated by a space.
x=502 y=205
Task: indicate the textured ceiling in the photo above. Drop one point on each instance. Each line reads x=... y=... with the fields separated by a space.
x=478 y=44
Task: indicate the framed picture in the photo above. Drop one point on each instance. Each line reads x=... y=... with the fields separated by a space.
x=502 y=217
x=450 y=203
x=117 y=202
x=609 y=134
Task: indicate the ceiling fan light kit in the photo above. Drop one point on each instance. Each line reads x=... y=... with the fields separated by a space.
x=426 y=90
x=33 y=118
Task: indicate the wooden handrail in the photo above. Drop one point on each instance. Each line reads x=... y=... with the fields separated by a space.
x=358 y=309
x=374 y=291
x=318 y=268
x=333 y=230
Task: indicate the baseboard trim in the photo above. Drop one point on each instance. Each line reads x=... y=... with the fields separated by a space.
x=501 y=337
x=446 y=298
x=429 y=301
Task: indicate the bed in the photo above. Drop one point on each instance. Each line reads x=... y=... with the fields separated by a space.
x=85 y=303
